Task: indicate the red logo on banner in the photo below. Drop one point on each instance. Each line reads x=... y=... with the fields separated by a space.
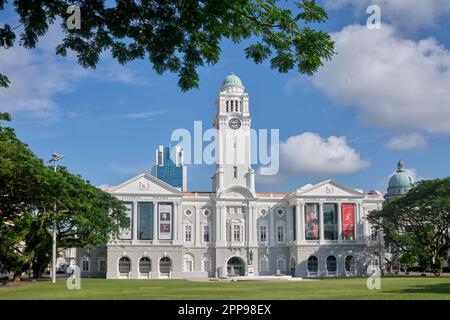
x=348 y=221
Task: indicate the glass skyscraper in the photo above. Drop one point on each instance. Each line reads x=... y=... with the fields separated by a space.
x=169 y=169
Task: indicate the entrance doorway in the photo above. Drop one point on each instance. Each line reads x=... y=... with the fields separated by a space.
x=165 y=267
x=235 y=267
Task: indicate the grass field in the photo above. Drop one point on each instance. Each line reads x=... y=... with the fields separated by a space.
x=354 y=288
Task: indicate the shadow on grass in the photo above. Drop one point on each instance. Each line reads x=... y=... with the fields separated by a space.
x=443 y=288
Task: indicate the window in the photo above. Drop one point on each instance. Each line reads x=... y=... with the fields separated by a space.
x=125 y=233
x=236 y=233
x=206 y=212
x=165 y=265
x=124 y=265
x=205 y=233
x=102 y=265
x=262 y=233
x=281 y=265
x=280 y=233
x=188 y=233
x=263 y=212
x=263 y=265
x=331 y=264
x=145 y=220
x=188 y=263
x=350 y=263
x=313 y=264
x=235 y=171
x=280 y=212
x=188 y=212
x=145 y=265
x=330 y=221
x=312 y=221
x=85 y=265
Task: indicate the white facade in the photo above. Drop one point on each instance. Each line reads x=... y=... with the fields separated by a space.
x=316 y=230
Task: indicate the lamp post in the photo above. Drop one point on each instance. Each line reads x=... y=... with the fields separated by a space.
x=55 y=158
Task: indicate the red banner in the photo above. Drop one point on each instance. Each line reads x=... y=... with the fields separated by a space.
x=348 y=221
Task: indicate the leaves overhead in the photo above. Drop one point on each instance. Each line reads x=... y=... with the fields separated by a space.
x=179 y=36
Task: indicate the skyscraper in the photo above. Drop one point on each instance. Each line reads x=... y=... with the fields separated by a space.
x=170 y=167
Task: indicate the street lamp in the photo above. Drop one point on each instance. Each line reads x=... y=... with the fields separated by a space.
x=55 y=158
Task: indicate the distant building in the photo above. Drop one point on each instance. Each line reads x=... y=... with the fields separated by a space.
x=170 y=167
x=400 y=183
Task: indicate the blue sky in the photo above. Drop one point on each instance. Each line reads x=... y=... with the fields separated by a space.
x=383 y=97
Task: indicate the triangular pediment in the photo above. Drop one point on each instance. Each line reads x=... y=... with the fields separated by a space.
x=145 y=184
x=329 y=188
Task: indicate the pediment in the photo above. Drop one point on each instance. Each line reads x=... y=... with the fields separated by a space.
x=236 y=193
x=145 y=184
x=329 y=188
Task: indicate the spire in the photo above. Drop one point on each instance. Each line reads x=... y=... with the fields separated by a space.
x=400 y=166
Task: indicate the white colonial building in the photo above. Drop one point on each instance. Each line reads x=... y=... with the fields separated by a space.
x=314 y=231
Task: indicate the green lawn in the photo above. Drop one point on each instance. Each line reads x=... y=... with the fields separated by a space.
x=355 y=288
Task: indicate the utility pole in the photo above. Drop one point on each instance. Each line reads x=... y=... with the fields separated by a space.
x=55 y=158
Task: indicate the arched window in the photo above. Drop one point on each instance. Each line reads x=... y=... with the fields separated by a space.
x=313 y=264
x=350 y=263
x=331 y=264
x=124 y=265
x=145 y=265
x=264 y=264
x=188 y=263
x=281 y=265
x=165 y=265
x=85 y=264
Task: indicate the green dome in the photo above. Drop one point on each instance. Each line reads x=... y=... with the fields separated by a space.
x=400 y=179
x=232 y=79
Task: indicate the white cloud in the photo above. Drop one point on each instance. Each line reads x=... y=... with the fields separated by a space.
x=38 y=76
x=393 y=82
x=310 y=153
x=406 y=142
x=406 y=14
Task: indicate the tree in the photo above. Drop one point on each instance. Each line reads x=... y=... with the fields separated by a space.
x=85 y=215
x=418 y=223
x=178 y=35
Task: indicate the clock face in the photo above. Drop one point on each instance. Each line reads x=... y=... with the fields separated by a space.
x=234 y=123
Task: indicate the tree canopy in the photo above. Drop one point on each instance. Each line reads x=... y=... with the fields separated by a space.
x=178 y=35
x=85 y=215
x=418 y=223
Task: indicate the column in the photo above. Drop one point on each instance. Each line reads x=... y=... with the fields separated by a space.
x=289 y=226
x=299 y=224
x=271 y=228
x=180 y=237
x=321 y=237
x=339 y=222
x=155 y=221
x=135 y=222
x=358 y=236
x=254 y=234
x=174 y=222
x=197 y=226
x=223 y=225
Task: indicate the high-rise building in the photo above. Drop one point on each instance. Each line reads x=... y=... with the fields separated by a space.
x=170 y=167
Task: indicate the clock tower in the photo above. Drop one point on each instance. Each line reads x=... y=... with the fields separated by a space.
x=233 y=139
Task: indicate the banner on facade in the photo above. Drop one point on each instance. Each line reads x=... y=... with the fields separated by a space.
x=348 y=221
x=311 y=221
x=125 y=233
x=165 y=221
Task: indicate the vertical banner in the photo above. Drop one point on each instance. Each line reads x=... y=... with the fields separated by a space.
x=311 y=221
x=348 y=221
x=125 y=233
x=165 y=221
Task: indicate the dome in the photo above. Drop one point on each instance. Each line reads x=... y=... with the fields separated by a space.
x=399 y=183
x=232 y=80
x=400 y=179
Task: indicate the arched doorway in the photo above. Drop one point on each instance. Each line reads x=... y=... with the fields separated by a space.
x=235 y=267
x=165 y=267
